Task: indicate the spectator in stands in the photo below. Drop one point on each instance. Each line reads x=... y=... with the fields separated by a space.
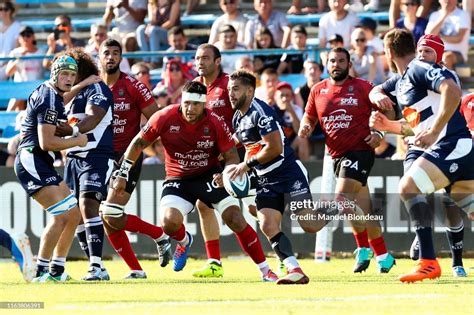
x=9 y=31
x=246 y=63
x=99 y=35
x=264 y=40
x=191 y=5
x=297 y=9
x=179 y=42
x=228 y=41
x=155 y=153
x=369 y=26
x=274 y=20
x=334 y=41
x=289 y=115
x=128 y=15
x=410 y=21
x=266 y=91
x=232 y=16
x=394 y=11
x=362 y=57
x=339 y=21
x=141 y=72
x=453 y=26
x=163 y=15
x=60 y=39
x=24 y=70
x=293 y=63
x=175 y=76
x=312 y=73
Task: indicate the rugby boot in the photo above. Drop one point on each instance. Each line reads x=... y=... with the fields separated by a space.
x=384 y=265
x=426 y=269
x=180 y=256
x=209 y=270
x=294 y=276
x=363 y=256
x=164 y=252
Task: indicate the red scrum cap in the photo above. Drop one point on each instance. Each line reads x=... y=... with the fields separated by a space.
x=433 y=42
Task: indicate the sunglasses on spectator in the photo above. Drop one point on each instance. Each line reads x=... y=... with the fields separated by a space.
x=412 y=4
x=175 y=68
x=4 y=9
x=360 y=40
x=100 y=34
x=228 y=2
x=26 y=34
x=143 y=72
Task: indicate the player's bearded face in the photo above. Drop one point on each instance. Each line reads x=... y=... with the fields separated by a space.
x=338 y=73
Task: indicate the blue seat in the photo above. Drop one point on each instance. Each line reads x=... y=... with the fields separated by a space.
x=296 y=80
x=7 y=126
x=18 y=90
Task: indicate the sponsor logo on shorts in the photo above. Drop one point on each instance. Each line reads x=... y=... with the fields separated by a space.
x=172 y=184
x=50 y=179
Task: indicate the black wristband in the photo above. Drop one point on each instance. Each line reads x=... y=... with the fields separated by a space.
x=252 y=162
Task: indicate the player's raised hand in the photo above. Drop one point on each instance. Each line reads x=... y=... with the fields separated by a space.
x=304 y=131
x=378 y=121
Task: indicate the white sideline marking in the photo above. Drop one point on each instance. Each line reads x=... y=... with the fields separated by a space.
x=121 y=305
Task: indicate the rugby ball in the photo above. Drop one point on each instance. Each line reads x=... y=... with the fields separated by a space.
x=237 y=188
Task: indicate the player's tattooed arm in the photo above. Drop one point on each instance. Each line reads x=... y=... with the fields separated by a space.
x=135 y=148
x=406 y=129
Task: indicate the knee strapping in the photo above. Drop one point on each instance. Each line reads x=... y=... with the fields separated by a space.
x=63 y=206
x=422 y=180
x=111 y=209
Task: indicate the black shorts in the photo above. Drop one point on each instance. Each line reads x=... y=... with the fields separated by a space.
x=355 y=165
x=183 y=193
x=133 y=175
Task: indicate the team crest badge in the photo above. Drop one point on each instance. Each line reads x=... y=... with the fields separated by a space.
x=121 y=92
x=206 y=131
x=453 y=168
x=350 y=89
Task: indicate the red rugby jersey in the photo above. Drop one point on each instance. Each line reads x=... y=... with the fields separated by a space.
x=343 y=112
x=190 y=149
x=130 y=98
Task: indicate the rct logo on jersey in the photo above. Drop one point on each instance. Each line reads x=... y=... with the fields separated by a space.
x=349 y=101
x=51 y=116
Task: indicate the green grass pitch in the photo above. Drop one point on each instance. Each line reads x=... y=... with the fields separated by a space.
x=333 y=289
